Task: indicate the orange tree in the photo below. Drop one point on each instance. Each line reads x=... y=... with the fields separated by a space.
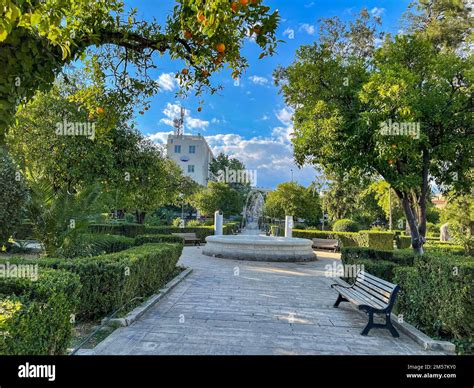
x=39 y=37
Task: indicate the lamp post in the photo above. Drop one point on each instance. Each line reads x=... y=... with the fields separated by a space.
x=390 y=221
x=181 y=197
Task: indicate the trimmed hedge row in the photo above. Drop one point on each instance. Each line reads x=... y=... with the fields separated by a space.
x=35 y=315
x=109 y=281
x=377 y=262
x=158 y=238
x=88 y=245
x=134 y=230
x=372 y=239
x=436 y=295
x=347 y=239
x=129 y=230
x=376 y=239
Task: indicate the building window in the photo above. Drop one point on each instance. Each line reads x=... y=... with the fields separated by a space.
x=192 y=149
x=177 y=149
x=191 y=168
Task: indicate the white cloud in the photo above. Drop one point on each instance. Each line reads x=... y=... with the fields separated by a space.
x=173 y=111
x=285 y=115
x=262 y=81
x=194 y=123
x=271 y=157
x=167 y=82
x=376 y=11
x=308 y=28
x=160 y=137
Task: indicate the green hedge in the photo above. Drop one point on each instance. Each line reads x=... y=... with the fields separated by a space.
x=376 y=239
x=403 y=242
x=158 y=238
x=347 y=239
x=446 y=247
x=437 y=295
x=377 y=262
x=125 y=229
x=201 y=231
x=109 y=281
x=89 y=245
x=36 y=315
x=345 y=225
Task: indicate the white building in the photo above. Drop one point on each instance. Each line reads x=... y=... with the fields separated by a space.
x=192 y=154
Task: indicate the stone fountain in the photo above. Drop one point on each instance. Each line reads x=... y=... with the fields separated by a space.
x=253 y=246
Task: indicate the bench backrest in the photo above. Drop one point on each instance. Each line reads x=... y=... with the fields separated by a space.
x=375 y=287
x=325 y=241
x=185 y=235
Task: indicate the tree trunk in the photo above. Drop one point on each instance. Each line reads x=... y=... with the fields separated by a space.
x=416 y=239
x=424 y=195
x=140 y=217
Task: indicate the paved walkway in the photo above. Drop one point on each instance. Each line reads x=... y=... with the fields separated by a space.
x=228 y=307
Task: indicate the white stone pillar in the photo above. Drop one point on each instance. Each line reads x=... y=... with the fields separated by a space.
x=218 y=224
x=289 y=226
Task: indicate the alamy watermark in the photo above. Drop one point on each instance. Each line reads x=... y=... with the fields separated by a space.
x=348 y=271
x=76 y=128
x=393 y=128
x=24 y=271
x=237 y=176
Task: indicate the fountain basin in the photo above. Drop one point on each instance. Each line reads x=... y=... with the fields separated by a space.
x=260 y=248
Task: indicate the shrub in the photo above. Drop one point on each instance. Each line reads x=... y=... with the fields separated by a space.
x=194 y=223
x=88 y=245
x=403 y=242
x=24 y=231
x=158 y=238
x=375 y=239
x=129 y=230
x=436 y=295
x=346 y=239
x=345 y=225
x=35 y=316
x=201 y=231
x=110 y=281
x=446 y=247
x=13 y=197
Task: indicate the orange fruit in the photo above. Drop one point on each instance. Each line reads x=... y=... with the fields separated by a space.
x=244 y=2
x=234 y=6
x=100 y=110
x=221 y=47
x=201 y=17
x=185 y=71
x=188 y=35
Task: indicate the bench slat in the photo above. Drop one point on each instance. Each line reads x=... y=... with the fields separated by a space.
x=375 y=288
x=359 y=299
x=383 y=298
x=373 y=283
x=391 y=286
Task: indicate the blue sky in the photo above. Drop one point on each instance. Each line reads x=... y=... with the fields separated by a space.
x=250 y=120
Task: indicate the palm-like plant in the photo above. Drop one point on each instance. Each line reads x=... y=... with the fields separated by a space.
x=59 y=217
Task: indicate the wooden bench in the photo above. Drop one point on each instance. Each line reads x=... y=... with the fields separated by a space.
x=189 y=238
x=325 y=243
x=371 y=295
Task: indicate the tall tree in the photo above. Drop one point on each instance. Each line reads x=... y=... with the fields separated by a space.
x=218 y=196
x=38 y=38
x=232 y=171
x=292 y=199
x=346 y=93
